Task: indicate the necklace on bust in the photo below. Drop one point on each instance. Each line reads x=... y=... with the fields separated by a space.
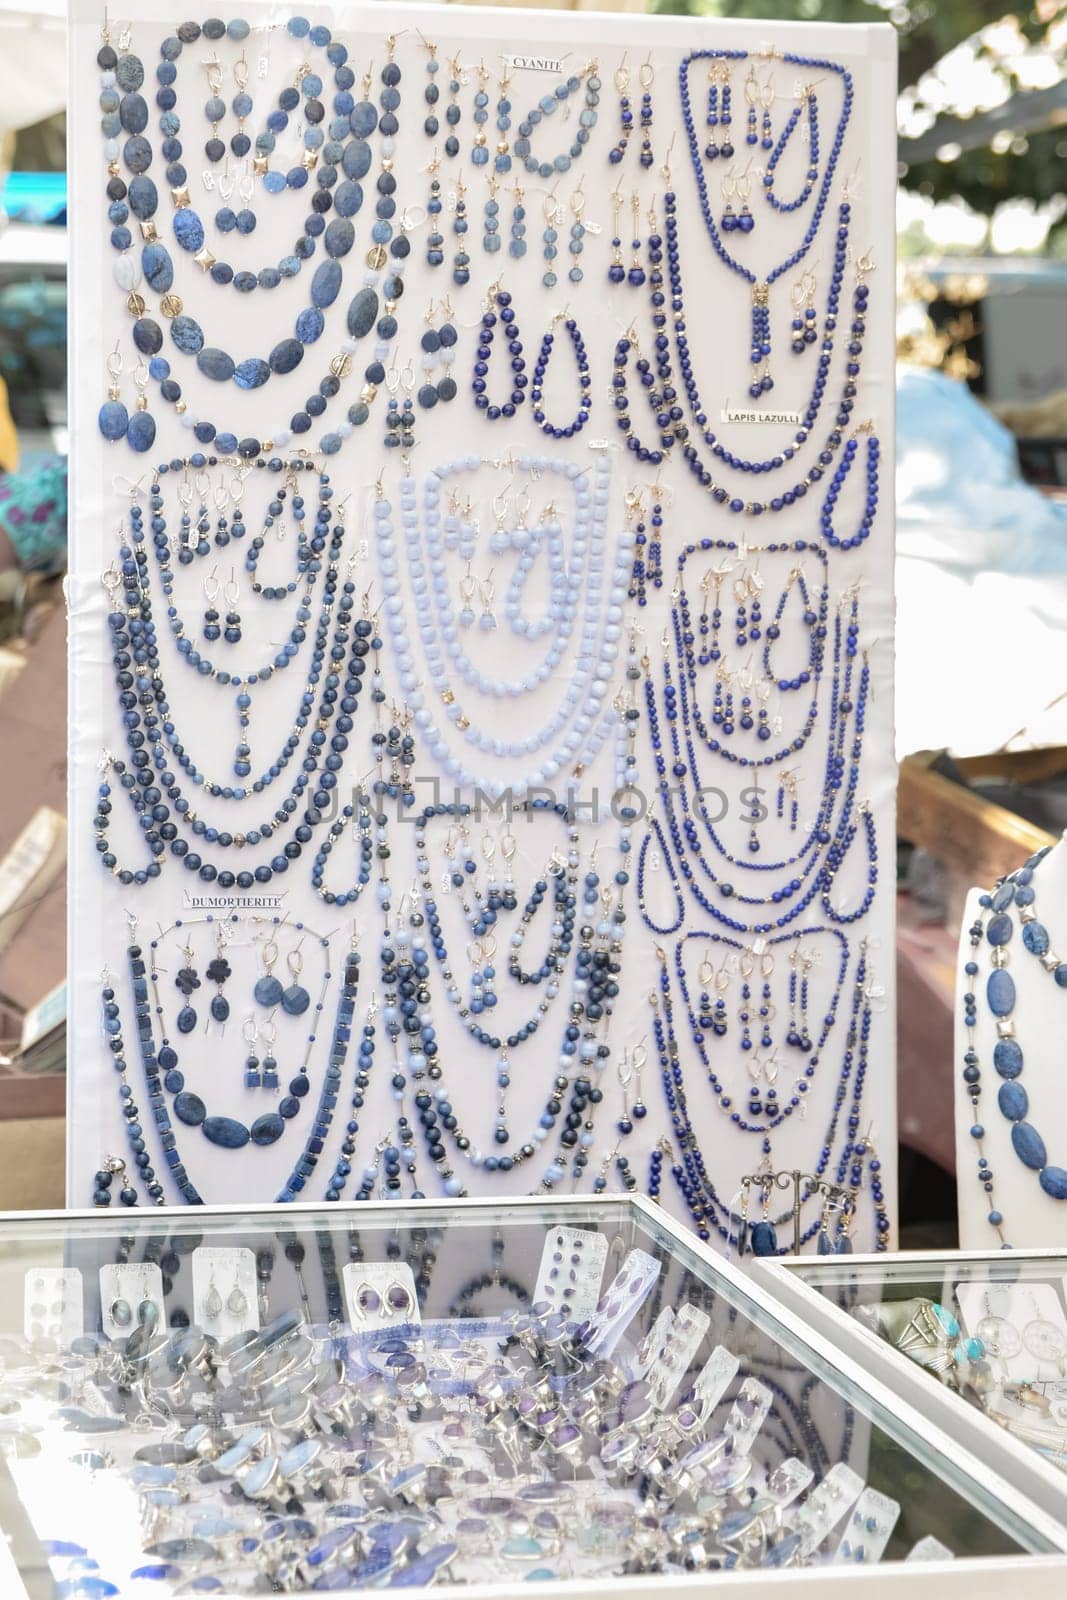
x=994 y=930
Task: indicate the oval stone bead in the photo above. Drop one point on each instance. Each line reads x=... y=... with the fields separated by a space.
x=1013 y=1100
x=1000 y=992
x=129 y=74
x=348 y=198
x=1028 y=1145
x=127 y=273
x=189 y=1108
x=1000 y=929
x=226 y=1132
x=251 y=374
x=187 y=335
x=1008 y=1057
x=147 y=336
x=363 y=119
x=188 y=230
x=143 y=198
x=114 y=419
x=326 y=284
x=362 y=312
x=1003 y=897
x=1035 y=938
x=309 y=325
x=1054 y=1182
x=137 y=153
x=215 y=364
x=157 y=266
x=133 y=113
x=268 y=1128
x=286 y=356
x=141 y=433
x=340 y=237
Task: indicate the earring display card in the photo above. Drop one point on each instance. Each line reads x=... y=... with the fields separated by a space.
x=481 y=604
x=53 y=1304
x=715 y=1377
x=682 y=1341
x=572 y=1266
x=131 y=1297
x=380 y=1295
x=648 y=1351
x=621 y=1301
x=1022 y=1326
x=874 y=1516
x=747 y=1415
x=824 y=1507
x=225 y=1301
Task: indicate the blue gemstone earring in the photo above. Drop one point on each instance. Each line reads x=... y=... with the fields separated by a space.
x=253 y=1077
x=803 y=326
x=636 y=275
x=453 y=111
x=268 y=1033
x=553 y=211
x=617 y=268
x=626 y=115
x=218 y=971
x=491 y=222
x=268 y=989
x=577 y=239
x=461 y=266
x=187 y=982
x=517 y=242
x=752 y=97
x=212 y=621
x=231 y=594
x=435 y=239
x=295 y=998
x=647 y=74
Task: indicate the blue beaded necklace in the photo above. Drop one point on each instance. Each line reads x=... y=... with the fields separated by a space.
x=761 y=329
x=809 y=103
x=131 y=1116
x=148 y=779
x=772 y=1112
x=995 y=928
x=709 y=1212
x=230 y=1133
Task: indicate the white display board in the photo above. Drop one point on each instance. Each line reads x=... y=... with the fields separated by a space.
x=533 y=669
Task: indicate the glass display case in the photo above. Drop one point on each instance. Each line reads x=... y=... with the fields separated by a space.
x=977 y=1340
x=409 y=1395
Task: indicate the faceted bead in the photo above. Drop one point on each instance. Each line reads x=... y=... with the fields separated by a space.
x=268 y=990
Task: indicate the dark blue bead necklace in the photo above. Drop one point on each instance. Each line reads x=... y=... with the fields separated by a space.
x=131 y=1116
x=761 y=331
x=709 y=1212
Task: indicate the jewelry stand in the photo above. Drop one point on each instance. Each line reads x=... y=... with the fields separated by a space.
x=764 y=1182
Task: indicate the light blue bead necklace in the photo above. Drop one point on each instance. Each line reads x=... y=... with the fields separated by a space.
x=582 y=709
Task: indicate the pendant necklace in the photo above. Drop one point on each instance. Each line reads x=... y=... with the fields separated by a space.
x=582 y=711
x=482 y=915
x=760 y=287
x=146 y=787
x=227 y=1132
x=709 y=1212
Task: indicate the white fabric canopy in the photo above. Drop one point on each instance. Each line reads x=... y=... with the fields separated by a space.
x=33 y=63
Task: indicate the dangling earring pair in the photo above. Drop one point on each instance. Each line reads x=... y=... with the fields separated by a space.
x=626 y=114
x=400 y=417
x=236 y=1302
x=115 y=422
x=231 y=594
x=737 y=187
x=260 y=1073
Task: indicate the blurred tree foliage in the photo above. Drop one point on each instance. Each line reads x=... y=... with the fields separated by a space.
x=1033 y=166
